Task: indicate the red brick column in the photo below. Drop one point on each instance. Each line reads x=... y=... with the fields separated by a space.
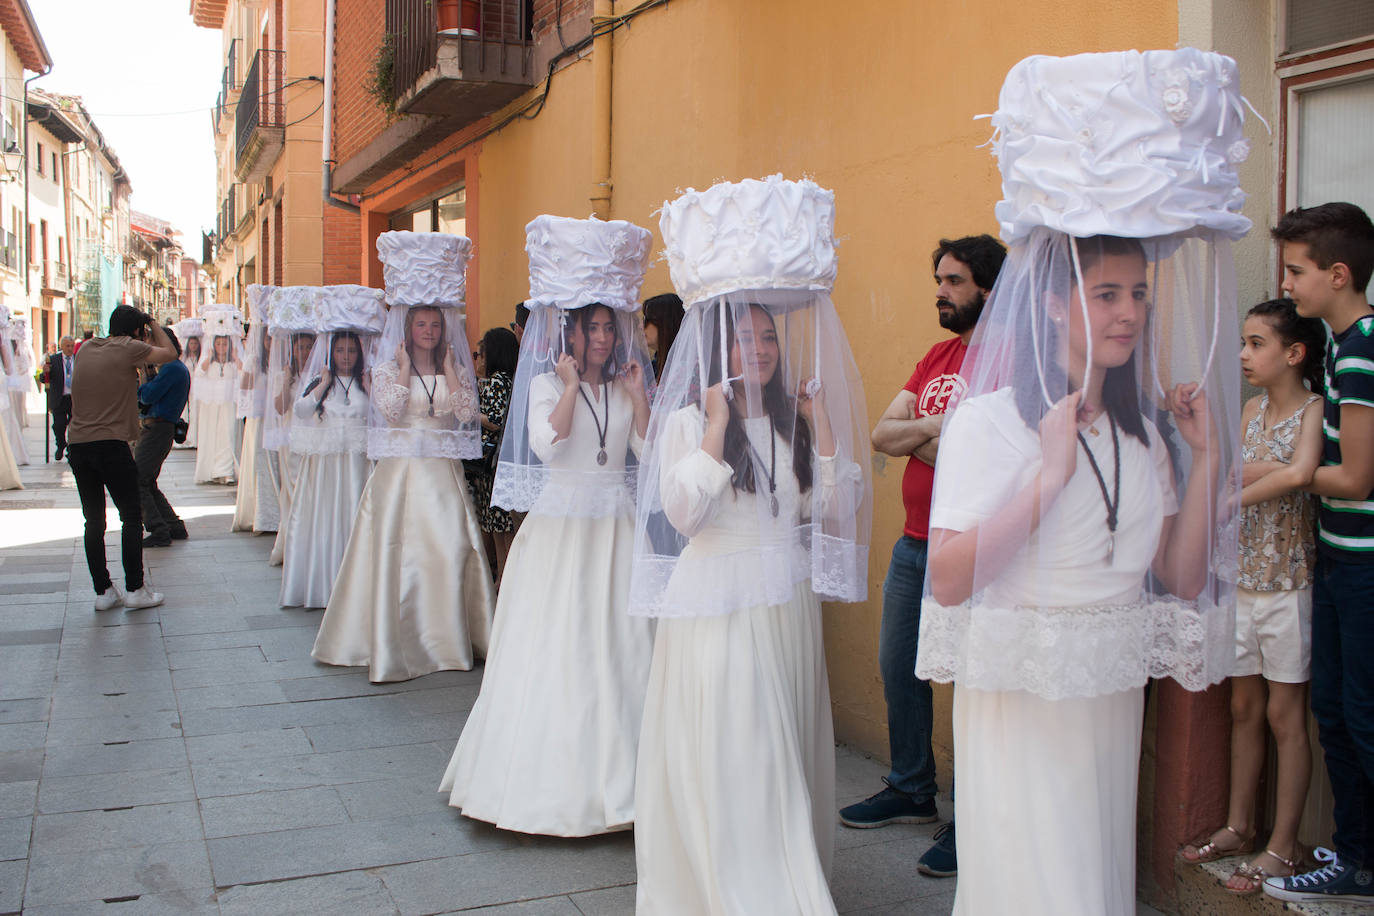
x=1192 y=770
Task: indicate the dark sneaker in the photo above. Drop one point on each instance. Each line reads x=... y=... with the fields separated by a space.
x=940 y=860
x=1336 y=880
x=890 y=806
x=155 y=540
x=177 y=532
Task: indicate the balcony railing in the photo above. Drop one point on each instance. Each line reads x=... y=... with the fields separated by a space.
x=55 y=276
x=469 y=72
x=260 y=102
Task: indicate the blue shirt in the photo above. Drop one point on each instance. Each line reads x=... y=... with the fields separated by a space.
x=166 y=393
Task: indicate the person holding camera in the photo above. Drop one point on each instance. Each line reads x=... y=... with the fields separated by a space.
x=104 y=422
x=164 y=398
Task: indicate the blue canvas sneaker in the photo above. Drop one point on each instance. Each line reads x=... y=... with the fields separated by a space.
x=940 y=860
x=1336 y=880
x=890 y=806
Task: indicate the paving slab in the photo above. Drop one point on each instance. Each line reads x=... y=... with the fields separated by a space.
x=355 y=893
x=132 y=826
x=264 y=812
x=114 y=790
x=125 y=871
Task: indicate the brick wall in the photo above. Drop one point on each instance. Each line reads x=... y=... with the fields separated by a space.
x=342 y=234
x=359 y=28
x=575 y=14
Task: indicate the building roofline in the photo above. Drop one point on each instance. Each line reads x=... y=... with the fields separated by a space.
x=22 y=30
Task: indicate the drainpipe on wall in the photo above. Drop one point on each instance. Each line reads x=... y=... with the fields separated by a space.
x=602 y=12
x=327 y=146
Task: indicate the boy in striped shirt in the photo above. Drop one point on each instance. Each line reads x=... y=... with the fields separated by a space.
x=1328 y=255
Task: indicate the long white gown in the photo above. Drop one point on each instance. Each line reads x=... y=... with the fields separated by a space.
x=215 y=458
x=328 y=489
x=550 y=745
x=9 y=468
x=735 y=786
x=1073 y=783
x=414 y=592
x=10 y=420
x=287 y=468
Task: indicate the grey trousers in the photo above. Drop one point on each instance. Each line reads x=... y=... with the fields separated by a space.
x=154 y=444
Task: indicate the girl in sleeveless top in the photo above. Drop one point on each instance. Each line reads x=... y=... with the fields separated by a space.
x=1282 y=447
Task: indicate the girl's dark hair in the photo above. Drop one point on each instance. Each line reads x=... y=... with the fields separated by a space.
x=1282 y=315
x=781 y=407
x=501 y=350
x=356 y=375
x=196 y=355
x=294 y=363
x=664 y=312
x=583 y=317
x=1120 y=393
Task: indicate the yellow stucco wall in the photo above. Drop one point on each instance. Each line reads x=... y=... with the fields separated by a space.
x=872 y=98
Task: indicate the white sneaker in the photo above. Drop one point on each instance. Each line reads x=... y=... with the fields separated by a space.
x=109 y=599
x=144 y=597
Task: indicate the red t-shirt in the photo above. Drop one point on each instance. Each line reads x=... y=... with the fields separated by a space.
x=936 y=384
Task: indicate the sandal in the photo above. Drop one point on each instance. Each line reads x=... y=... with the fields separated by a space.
x=1255 y=874
x=1210 y=851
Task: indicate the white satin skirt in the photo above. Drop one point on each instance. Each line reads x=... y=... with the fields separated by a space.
x=245 y=500
x=1046 y=803
x=322 y=512
x=289 y=468
x=215 y=458
x=735 y=788
x=10 y=420
x=192 y=415
x=413 y=594
x=20 y=400
x=550 y=745
x=9 y=468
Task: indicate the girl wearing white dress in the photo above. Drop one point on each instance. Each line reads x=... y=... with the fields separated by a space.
x=256 y=506
x=751 y=508
x=329 y=438
x=413 y=594
x=1082 y=489
x=215 y=382
x=191 y=353
x=550 y=745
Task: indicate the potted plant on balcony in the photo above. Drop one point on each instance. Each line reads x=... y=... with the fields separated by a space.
x=381 y=77
x=471 y=19
x=450 y=17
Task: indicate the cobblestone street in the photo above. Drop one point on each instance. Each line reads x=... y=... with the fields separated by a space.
x=192 y=758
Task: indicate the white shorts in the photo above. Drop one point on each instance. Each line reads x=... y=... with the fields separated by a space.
x=1274 y=634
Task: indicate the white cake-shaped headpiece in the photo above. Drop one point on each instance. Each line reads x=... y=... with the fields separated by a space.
x=4 y=317
x=750 y=235
x=349 y=308
x=19 y=328
x=223 y=321
x=187 y=328
x=1127 y=143
x=259 y=295
x=424 y=268
x=291 y=309
x=575 y=262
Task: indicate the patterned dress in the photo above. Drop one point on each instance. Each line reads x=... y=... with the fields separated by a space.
x=493 y=395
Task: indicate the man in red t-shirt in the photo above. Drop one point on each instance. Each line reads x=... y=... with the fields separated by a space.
x=965 y=270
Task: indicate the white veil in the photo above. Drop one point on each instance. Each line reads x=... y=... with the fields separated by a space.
x=426 y=286
x=1119 y=180
x=21 y=367
x=291 y=333
x=344 y=315
x=219 y=377
x=754 y=262
x=576 y=266
x=186 y=330
x=250 y=398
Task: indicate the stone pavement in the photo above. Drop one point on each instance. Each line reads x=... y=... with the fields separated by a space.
x=194 y=759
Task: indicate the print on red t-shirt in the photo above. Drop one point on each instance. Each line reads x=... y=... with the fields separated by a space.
x=937 y=386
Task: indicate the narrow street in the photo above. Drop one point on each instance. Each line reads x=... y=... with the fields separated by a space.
x=192 y=758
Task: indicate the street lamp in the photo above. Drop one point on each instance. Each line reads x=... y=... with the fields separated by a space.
x=13 y=164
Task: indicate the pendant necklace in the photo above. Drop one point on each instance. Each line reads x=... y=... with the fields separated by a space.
x=772 y=465
x=429 y=392
x=600 y=429
x=348 y=385
x=1114 y=503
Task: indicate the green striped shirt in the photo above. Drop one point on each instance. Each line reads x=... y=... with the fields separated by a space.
x=1346 y=527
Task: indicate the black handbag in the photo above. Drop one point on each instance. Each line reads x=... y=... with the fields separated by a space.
x=179 y=430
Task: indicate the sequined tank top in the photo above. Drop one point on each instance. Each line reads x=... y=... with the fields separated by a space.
x=1277 y=536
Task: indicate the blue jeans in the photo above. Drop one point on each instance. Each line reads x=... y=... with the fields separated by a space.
x=1343 y=697
x=909 y=712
